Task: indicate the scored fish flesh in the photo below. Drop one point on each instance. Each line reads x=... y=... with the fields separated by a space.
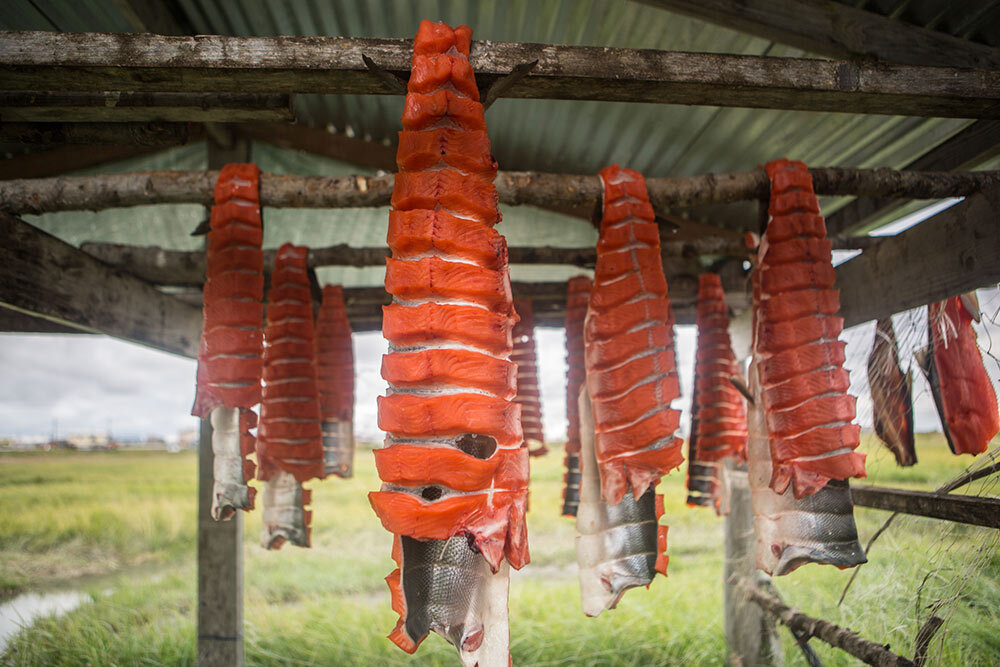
x=790 y=531
x=577 y=298
x=718 y=427
x=798 y=359
x=229 y=357
x=962 y=391
x=631 y=370
x=335 y=382
x=290 y=447
x=891 y=390
x=528 y=394
x=618 y=547
x=454 y=467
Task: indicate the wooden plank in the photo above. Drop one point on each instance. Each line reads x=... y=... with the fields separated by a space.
x=213 y=63
x=837 y=30
x=972 y=510
x=45 y=277
x=122 y=134
x=117 y=107
x=955 y=251
x=220 y=571
x=61 y=159
x=515 y=188
x=968 y=149
x=318 y=141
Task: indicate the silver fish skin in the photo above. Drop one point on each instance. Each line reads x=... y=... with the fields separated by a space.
x=338 y=448
x=229 y=490
x=283 y=516
x=450 y=589
x=616 y=544
x=571 y=494
x=818 y=528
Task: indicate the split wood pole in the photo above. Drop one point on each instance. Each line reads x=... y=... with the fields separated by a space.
x=220 y=543
x=751 y=636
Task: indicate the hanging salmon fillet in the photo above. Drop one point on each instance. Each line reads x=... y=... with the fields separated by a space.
x=892 y=403
x=631 y=370
x=577 y=298
x=963 y=393
x=718 y=427
x=335 y=381
x=801 y=439
x=800 y=362
x=454 y=466
x=229 y=358
x=628 y=428
x=289 y=449
x=528 y=394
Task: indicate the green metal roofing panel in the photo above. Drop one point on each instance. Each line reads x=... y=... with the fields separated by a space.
x=545 y=135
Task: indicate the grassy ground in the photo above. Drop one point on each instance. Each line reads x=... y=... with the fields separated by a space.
x=63 y=516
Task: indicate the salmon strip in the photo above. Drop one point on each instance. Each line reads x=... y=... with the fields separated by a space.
x=421 y=232
x=798 y=359
x=435 y=278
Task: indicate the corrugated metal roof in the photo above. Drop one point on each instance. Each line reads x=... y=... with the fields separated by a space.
x=545 y=135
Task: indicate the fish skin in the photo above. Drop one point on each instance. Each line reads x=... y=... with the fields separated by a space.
x=891 y=393
x=446 y=587
x=617 y=546
x=791 y=532
x=284 y=517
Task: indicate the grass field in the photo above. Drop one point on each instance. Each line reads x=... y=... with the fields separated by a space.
x=67 y=519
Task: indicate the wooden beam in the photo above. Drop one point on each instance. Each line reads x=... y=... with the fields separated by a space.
x=15 y=321
x=117 y=107
x=972 y=510
x=837 y=30
x=122 y=134
x=61 y=159
x=43 y=276
x=867 y=651
x=955 y=251
x=971 y=147
x=213 y=63
x=318 y=141
x=515 y=188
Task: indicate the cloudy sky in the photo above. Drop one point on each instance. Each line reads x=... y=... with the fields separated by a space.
x=88 y=384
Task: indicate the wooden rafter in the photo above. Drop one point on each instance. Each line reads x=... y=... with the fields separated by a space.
x=212 y=63
x=837 y=30
x=956 y=251
x=972 y=146
x=117 y=106
x=971 y=510
x=43 y=276
x=121 y=134
x=69 y=193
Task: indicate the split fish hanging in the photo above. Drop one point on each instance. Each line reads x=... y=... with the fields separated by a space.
x=454 y=469
x=628 y=427
x=802 y=435
x=229 y=357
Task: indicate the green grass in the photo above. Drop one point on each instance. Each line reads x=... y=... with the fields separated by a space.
x=66 y=515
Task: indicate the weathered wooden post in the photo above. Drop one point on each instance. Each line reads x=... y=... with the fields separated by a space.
x=220 y=543
x=751 y=635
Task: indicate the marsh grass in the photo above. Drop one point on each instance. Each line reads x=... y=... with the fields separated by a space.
x=329 y=604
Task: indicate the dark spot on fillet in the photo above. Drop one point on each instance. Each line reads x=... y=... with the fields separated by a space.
x=431 y=493
x=473 y=444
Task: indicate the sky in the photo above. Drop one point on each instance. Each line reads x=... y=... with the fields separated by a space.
x=82 y=384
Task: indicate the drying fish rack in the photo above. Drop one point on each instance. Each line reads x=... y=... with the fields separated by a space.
x=191 y=84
